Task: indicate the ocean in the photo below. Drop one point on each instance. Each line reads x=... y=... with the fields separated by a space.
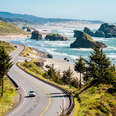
x=61 y=49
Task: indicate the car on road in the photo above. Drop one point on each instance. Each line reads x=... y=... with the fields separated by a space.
x=32 y=94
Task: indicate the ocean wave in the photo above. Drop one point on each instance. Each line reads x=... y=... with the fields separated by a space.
x=110 y=48
x=113 y=56
x=100 y=39
x=82 y=49
x=57 y=43
x=57 y=47
x=63 y=55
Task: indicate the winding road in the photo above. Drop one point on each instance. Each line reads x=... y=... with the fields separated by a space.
x=48 y=101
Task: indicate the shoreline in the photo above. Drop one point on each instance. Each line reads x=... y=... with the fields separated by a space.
x=13 y=37
x=59 y=64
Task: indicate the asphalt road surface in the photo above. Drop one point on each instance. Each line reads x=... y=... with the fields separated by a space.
x=49 y=100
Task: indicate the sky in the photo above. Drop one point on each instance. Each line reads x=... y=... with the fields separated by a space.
x=75 y=9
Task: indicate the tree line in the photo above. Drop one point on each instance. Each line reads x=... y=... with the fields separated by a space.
x=96 y=70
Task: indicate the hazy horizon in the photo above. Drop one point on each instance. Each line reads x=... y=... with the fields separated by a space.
x=81 y=9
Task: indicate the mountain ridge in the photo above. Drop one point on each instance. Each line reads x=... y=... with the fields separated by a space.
x=14 y=17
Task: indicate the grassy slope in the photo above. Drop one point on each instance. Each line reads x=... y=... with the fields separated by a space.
x=28 y=51
x=7 y=102
x=8 y=28
x=7 y=46
x=97 y=101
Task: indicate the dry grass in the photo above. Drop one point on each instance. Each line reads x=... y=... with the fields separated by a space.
x=8 y=28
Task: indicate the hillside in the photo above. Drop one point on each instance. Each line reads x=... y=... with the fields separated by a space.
x=98 y=101
x=8 y=28
x=9 y=47
x=25 y=18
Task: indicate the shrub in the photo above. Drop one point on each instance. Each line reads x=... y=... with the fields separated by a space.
x=74 y=83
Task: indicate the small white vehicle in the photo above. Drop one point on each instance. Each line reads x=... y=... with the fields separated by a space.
x=32 y=94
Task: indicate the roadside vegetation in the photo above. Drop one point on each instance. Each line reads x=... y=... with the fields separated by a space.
x=8 y=28
x=94 y=92
x=28 y=52
x=10 y=98
x=7 y=90
x=9 y=47
x=97 y=96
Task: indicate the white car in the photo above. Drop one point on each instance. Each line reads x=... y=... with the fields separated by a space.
x=32 y=94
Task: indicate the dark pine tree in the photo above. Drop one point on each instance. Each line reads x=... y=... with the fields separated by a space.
x=67 y=76
x=5 y=65
x=100 y=68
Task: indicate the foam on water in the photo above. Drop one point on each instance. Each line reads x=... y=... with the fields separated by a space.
x=61 y=49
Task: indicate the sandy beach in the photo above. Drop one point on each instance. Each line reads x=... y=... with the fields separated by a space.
x=13 y=37
x=59 y=65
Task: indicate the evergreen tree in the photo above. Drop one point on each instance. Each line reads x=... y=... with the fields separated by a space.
x=53 y=74
x=5 y=65
x=67 y=76
x=80 y=67
x=100 y=68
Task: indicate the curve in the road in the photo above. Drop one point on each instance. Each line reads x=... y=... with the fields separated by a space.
x=49 y=99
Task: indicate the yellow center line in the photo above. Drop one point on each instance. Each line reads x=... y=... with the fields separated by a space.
x=46 y=91
x=43 y=112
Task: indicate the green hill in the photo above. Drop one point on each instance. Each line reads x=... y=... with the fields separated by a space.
x=9 y=47
x=98 y=101
x=8 y=28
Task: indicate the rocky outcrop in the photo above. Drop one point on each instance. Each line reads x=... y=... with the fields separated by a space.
x=106 y=30
x=89 y=31
x=83 y=40
x=36 y=35
x=55 y=37
x=49 y=55
x=27 y=29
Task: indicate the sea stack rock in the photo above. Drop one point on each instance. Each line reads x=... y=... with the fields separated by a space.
x=55 y=37
x=27 y=29
x=106 y=30
x=83 y=40
x=89 y=31
x=36 y=35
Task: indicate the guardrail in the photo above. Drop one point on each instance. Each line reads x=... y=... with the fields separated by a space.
x=14 y=83
x=20 y=91
x=71 y=98
x=71 y=106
